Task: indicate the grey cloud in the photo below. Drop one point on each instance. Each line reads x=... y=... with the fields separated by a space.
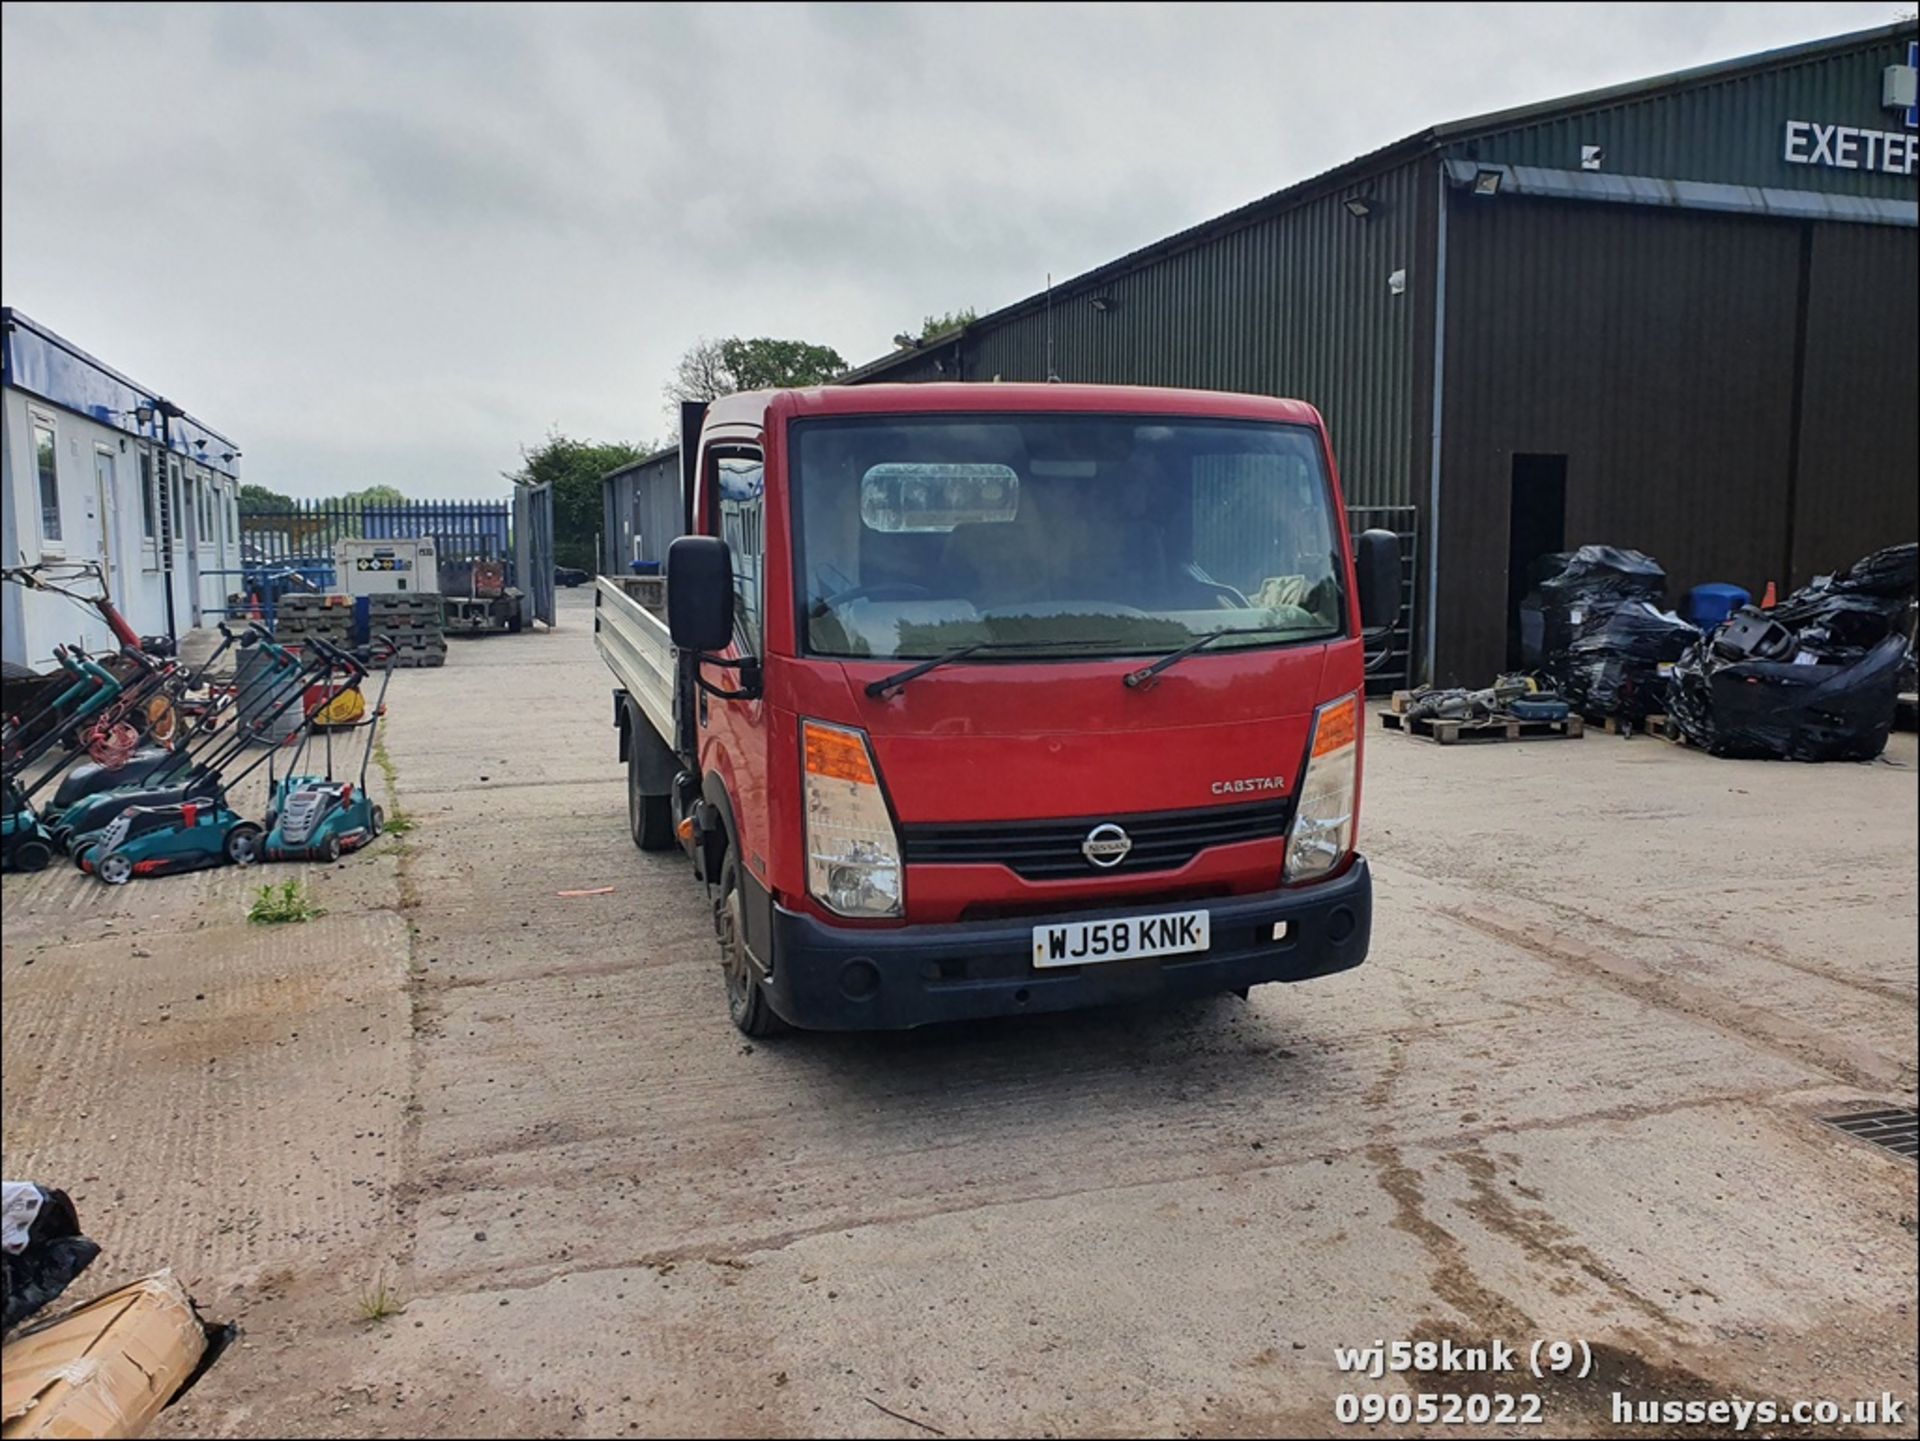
x=394 y=243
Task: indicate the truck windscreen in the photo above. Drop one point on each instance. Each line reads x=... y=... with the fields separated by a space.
x=1100 y=535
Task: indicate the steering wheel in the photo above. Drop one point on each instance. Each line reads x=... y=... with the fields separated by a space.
x=891 y=590
x=1233 y=596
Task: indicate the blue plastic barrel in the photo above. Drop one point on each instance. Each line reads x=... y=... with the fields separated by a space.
x=1708 y=605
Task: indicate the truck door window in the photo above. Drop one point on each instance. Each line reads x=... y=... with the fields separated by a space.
x=739 y=480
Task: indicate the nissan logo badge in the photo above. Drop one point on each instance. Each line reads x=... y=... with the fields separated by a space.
x=1106 y=845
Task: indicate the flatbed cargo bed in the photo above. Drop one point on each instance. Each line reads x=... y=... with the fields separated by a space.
x=632 y=637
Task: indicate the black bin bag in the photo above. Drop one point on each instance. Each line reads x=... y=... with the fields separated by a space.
x=1619 y=662
x=1576 y=590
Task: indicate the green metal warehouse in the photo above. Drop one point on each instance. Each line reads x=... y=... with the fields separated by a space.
x=1677 y=315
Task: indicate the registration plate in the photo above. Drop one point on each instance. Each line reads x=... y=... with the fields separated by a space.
x=1082 y=943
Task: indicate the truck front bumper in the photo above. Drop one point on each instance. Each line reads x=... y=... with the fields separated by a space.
x=838 y=978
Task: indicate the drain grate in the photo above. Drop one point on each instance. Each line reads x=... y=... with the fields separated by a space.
x=1895 y=1130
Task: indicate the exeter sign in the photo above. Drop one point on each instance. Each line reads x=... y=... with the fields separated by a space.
x=1853 y=147
x=1848 y=147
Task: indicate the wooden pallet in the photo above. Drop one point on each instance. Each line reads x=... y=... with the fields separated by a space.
x=1664 y=727
x=1452 y=732
x=1619 y=725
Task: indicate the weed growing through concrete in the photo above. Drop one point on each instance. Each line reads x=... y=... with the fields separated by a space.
x=398 y=821
x=279 y=905
x=378 y=1300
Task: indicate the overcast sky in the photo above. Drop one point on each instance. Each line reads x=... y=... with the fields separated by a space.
x=395 y=244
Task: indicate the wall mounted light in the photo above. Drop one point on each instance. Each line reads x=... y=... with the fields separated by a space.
x=1359 y=206
x=1592 y=157
x=1104 y=303
x=1487 y=183
x=143 y=412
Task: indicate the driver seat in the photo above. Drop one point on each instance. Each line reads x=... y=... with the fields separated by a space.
x=1000 y=562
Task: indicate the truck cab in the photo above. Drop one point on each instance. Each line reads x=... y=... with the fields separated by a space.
x=984 y=699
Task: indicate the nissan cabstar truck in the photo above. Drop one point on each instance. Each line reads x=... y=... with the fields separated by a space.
x=973 y=700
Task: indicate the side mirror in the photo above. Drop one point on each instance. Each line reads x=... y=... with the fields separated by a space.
x=700 y=593
x=1377 y=559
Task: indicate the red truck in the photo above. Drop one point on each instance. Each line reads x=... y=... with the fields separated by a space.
x=974 y=700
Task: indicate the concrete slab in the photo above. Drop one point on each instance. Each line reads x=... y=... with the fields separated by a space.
x=1572 y=1095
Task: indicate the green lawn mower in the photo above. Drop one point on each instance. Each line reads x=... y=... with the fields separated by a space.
x=317 y=818
x=163 y=840
x=26 y=841
x=197 y=830
x=195 y=769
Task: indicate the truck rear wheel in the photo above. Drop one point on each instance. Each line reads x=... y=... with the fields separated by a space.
x=746 y=1001
x=650 y=818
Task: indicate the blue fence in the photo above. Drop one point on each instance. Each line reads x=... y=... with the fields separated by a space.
x=291 y=548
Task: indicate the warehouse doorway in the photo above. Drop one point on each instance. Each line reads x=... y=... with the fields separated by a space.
x=1536 y=526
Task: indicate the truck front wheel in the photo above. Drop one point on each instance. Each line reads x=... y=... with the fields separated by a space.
x=746 y=1001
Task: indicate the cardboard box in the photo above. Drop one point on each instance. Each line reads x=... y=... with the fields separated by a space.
x=105 y=1368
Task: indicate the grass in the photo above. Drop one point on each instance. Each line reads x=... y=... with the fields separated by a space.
x=377 y=1301
x=398 y=821
x=283 y=904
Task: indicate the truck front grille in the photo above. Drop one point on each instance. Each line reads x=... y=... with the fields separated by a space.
x=1050 y=850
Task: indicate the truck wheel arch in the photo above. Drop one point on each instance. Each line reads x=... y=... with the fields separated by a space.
x=756 y=901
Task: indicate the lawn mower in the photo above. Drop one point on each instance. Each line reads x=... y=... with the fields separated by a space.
x=197 y=830
x=158 y=738
x=341 y=699
x=193 y=771
x=318 y=818
x=26 y=841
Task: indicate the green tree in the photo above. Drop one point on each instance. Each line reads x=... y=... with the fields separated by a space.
x=713 y=368
x=941 y=324
x=768 y=364
x=575 y=469
x=257 y=498
x=375 y=495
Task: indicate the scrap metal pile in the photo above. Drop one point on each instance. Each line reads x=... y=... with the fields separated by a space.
x=1815 y=678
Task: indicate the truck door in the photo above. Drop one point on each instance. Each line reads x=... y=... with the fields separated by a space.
x=734 y=733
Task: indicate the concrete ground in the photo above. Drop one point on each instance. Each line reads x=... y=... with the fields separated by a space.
x=466 y=1156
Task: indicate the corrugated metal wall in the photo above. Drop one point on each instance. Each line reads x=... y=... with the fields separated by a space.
x=642 y=500
x=1297 y=304
x=1730 y=131
x=1859 y=440
x=1655 y=350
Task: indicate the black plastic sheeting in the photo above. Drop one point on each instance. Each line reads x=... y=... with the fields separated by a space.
x=1777 y=710
x=1816 y=678
x=1619 y=663
x=54 y=1255
x=1580 y=589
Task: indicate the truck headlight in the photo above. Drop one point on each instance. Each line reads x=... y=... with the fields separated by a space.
x=1322 y=831
x=853 y=856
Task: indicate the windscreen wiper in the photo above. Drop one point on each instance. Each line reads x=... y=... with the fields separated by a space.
x=1147 y=673
x=887 y=685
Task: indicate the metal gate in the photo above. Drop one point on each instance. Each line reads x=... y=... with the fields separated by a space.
x=533 y=546
x=1390 y=659
x=291 y=548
